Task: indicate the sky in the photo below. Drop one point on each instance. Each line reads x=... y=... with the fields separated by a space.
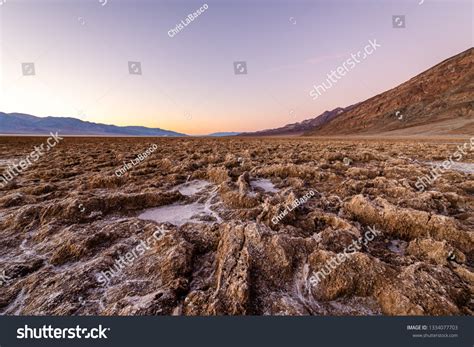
x=81 y=51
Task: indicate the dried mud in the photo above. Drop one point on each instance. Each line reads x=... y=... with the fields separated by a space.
x=69 y=217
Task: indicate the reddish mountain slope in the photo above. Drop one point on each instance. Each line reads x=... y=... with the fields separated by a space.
x=438 y=101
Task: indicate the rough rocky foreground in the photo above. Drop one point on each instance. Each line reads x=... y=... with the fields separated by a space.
x=68 y=218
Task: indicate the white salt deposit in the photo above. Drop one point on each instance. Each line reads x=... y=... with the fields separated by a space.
x=177 y=214
x=193 y=187
x=457 y=166
x=264 y=184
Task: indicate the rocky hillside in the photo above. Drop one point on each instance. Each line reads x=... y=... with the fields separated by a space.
x=438 y=101
x=301 y=127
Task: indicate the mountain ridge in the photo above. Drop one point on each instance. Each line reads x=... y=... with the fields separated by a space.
x=299 y=128
x=26 y=124
x=438 y=101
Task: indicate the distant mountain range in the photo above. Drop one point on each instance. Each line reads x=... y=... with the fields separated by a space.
x=222 y=134
x=25 y=124
x=17 y=123
x=295 y=129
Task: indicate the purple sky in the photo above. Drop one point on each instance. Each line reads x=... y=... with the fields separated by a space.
x=81 y=51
